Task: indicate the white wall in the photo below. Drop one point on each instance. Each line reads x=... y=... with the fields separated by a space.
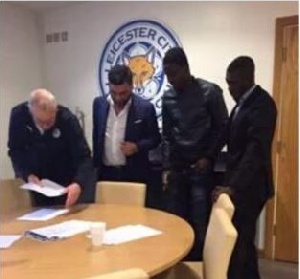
x=20 y=67
x=212 y=33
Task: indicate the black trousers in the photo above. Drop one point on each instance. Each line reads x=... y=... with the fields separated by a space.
x=244 y=260
x=189 y=198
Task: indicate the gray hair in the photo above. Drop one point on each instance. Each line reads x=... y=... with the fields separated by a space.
x=42 y=99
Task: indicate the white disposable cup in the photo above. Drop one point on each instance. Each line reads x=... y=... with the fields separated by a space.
x=97 y=230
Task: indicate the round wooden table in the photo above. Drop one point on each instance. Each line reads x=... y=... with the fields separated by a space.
x=76 y=258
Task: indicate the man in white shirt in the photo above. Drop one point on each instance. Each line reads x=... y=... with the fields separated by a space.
x=125 y=129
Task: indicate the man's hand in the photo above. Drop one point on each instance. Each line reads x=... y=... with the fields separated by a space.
x=218 y=190
x=203 y=165
x=34 y=179
x=129 y=148
x=73 y=192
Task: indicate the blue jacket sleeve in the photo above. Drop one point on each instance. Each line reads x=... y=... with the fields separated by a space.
x=152 y=138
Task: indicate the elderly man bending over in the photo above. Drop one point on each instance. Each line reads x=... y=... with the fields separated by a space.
x=46 y=141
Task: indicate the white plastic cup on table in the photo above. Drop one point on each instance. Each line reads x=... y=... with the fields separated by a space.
x=97 y=230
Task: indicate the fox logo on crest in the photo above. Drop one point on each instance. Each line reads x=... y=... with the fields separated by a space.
x=144 y=73
x=140 y=45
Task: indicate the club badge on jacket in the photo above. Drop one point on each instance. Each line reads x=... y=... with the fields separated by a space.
x=56 y=133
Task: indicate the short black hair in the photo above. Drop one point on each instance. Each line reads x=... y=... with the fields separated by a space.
x=243 y=64
x=175 y=55
x=120 y=74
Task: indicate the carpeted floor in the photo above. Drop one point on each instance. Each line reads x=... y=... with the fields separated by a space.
x=277 y=270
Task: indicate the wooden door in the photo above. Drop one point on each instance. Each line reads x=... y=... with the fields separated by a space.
x=284 y=243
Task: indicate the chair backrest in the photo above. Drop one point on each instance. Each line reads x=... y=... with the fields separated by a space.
x=12 y=198
x=220 y=239
x=225 y=203
x=115 y=192
x=132 y=273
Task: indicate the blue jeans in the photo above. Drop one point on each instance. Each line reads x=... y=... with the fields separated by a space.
x=189 y=198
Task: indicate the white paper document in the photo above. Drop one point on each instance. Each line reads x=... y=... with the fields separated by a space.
x=7 y=240
x=47 y=188
x=43 y=214
x=128 y=233
x=61 y=230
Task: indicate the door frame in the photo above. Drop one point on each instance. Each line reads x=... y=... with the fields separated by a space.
x=281 y=23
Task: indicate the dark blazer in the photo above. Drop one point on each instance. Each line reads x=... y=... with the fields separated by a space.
x=249 y=168
x=61 y=154
x=141 y=128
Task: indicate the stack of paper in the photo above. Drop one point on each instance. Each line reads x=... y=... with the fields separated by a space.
x=47 y=188
x=43 y=214
x=62 y=230
x=128 y=233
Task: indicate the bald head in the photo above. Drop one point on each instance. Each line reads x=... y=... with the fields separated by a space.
x=43 y=108
x=42 y=99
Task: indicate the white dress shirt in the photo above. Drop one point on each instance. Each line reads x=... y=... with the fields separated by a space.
x=114 y=135
x=41 y=130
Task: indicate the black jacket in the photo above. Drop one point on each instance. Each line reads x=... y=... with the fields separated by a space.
x=61 y=154
x=194 y=122
x=250 y=134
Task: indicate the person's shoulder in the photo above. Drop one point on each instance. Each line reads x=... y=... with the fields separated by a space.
x=208 y=85
x=101 y=98
x=20 y=109
x=142 y=105
x=64 y=113
x=169 y=92
x=263 y=96
x=263 y=92
x=141 y=101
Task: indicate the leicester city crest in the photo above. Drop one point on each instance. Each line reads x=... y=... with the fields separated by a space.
x=141 y=45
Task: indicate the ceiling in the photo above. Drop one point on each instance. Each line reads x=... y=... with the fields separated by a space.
x=43 y=6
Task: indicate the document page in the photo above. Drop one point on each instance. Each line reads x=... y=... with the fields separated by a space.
x=7 y=240
x=47 y=188
x=43 y=214
x=128 y=233
x=62 y=230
